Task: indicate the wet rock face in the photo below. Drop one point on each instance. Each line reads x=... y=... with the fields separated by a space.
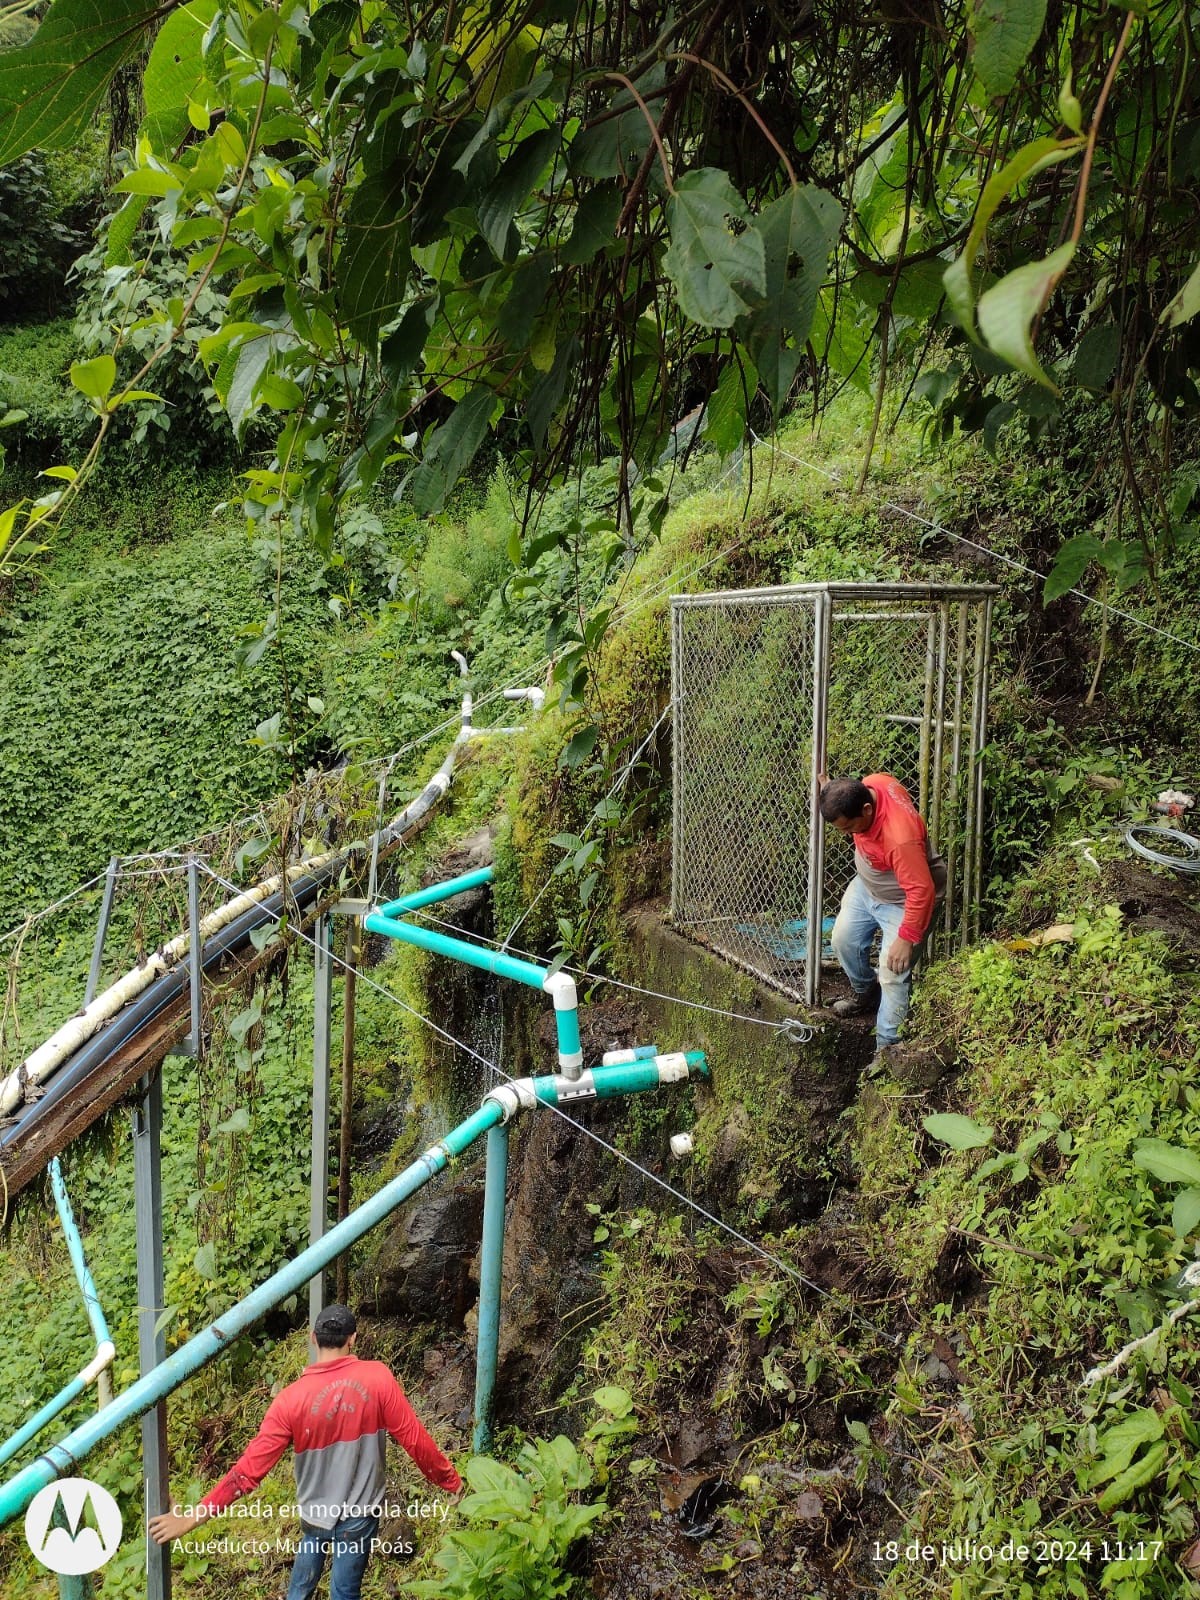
x=423 y=1266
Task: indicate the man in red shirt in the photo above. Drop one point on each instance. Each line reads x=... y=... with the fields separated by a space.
x=337 y=1417
x=897 y=884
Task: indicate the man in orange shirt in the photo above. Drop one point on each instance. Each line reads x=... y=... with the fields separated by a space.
x=897 y=884
x=337 y=1417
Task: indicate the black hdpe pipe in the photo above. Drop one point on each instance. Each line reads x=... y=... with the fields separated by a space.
x=139 y=1013
x=142 y=1011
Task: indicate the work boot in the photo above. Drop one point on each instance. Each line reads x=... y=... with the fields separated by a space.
x=856 y=1004
x=884 y=1060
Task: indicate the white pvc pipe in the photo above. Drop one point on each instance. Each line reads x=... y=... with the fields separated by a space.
x=62 y=1045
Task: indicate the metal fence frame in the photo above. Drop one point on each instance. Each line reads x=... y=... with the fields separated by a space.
x=955 y=622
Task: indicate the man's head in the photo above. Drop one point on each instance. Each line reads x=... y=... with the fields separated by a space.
x=334 y=1329
x=848 y=805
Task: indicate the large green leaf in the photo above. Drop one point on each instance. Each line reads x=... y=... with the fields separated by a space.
x=1143 y=1471
x=595 y=222
x=1031 y=158
x=51 y=89
x=240 y=402
x=804 y=224
x=373 y=266
x=1005 y=31
x=1186 y=303
x=725 y=421
x=174 y=75
x=1168 y=1162
x=959 y=1132
x=619 y=138
x=451 y=449
x=838 y=340
x=1185 y=1213
x=718 y=273
x=1009 y=308
x=546 y=395
x=510 y=188
x=119 y=249
x=1074 y=557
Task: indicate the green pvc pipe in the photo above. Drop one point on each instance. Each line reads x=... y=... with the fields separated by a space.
x=87 y=1285
x=391 y=921
x=443 y=944
x=34 y=1425
x=601 y=1083
x=96 y=1319
x=62 y=1458
x=632 y=1077
x=491 y=1276
x=438 y=891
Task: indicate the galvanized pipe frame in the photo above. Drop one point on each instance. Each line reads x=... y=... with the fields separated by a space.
x=677 y=699
x=948 y=611
x=786 y=593
x=819 y=746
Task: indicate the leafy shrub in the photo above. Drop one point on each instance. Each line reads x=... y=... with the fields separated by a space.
x=466 y=558
x=523 y=1525
x=36 y=243
x=34 y=363
x=136 y=300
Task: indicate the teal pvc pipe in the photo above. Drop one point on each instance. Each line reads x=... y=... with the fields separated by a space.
x=633 y=1077
x=95 y=1314
x=567 y=1024
x=87 y=1286
x=291 y=1278
x=437 y=891
x=474 y=955
x=491 y=1277
x=390 y=921
x=38 y=1421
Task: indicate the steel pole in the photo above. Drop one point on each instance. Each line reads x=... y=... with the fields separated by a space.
x=152 y=1345
x=822 y=631
x=195 y=1038
x=346 y=1112
x=322 y=1028
x=491 y=1277
x=106 y=905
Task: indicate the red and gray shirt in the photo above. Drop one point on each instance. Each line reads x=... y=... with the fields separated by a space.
x=337 y=1416
x=895 y=859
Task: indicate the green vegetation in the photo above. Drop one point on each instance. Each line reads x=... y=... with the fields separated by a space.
x=389 y=337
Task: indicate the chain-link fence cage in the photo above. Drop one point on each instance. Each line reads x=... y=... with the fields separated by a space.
x=770 y=688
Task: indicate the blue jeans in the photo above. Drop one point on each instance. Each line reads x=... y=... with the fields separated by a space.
x=859 y=920
x=349 y=1542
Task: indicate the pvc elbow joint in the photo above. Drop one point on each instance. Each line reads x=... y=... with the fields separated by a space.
x=512 y=1097
x=104 y=1357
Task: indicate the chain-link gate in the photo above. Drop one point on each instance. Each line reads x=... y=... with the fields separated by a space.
x=771 y=687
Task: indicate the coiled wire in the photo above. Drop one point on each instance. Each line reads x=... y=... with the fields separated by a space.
x=1189 y=862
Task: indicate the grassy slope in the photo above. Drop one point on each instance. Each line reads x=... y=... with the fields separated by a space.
x=793 y=527
x=1099 y=1038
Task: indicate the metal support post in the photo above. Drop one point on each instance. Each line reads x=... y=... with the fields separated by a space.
x=106 y=905
x=816 y=835
x=71 y=1586
x=346 y=1128
x=984 y=667
x=194 y=1043
x=677 y=760
x=152 y=1344
x=491 y=1277
x=322 y=1028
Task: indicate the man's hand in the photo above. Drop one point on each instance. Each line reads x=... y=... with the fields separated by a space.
x=166 y=1527
x=899 y=957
